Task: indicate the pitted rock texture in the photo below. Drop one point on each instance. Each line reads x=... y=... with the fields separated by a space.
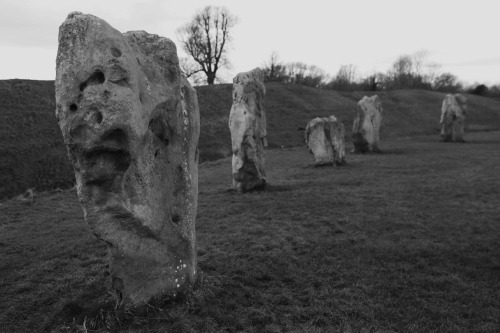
x=325 y=140
x=247 y=123
x=366 y=127
x=453 y=117
x=130 y=122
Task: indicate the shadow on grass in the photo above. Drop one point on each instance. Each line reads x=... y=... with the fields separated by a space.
x=482 y=142
x=269 y=188
x=332 y=166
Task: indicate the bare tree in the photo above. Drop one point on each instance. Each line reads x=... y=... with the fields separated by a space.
x=423 y=69
x=431 y=71
x=402 y=74
x=347 y=73
x=403 y=66
x=206 y=39
x=313 y=76
x=274 y=70
x=419 y=61
x=296 y=70
x=447 y=82
x=373 y=82
x=345 y=78
x=273 y=62
x=189 y=68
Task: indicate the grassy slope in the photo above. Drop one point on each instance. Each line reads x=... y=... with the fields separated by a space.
x=33 y=154
x=405 y=241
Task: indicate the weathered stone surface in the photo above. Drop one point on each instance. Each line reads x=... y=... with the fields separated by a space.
x=325 y=140
x=130 y=121
x=453 y=117
x=247 y=123
x=366 y=127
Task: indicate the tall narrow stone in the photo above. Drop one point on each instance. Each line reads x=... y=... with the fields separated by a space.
x=452 y=119
x=325 y=140
x=130 y=121
x=247 y=122
x=366 y=127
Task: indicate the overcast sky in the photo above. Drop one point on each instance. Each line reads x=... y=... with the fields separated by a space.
x=460 y=35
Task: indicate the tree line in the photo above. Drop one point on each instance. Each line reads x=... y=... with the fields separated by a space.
x=412 y=71
x=207 y=36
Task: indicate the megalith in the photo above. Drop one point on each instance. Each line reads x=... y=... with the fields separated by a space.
x=130 y=121
x=247 y=123
x=453 y=117
x=366 y=127
x=325 y=140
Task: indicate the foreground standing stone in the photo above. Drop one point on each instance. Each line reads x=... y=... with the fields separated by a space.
x=325 y=140
x=130 y=121
x=247 y=122
x=366 y=127
x=453 y=117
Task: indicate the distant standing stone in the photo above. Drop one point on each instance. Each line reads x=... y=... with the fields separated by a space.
x=325 y=140
x=247 y=123
x=366 y=127
x=130 y=122
x=453 y=117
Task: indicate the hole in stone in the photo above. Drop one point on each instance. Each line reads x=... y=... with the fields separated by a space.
x=96 y=78
x=115 y=52
x=176 y=218
x=105 y=165
x=99 y=77
x=157 y=152
x=98 y=117
x=160 y=129
x=73 y=107
x=116 y=136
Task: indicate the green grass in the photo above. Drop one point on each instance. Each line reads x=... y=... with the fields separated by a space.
x=403 y=241
x=34 y=156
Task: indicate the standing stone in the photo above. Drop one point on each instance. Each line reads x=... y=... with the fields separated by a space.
x=366 y=127
x=453 y=117
x=130 y=122
x=247 y=122
x=325 y=140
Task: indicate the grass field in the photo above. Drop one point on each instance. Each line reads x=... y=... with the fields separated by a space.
x=33 y=154
x=403 y=241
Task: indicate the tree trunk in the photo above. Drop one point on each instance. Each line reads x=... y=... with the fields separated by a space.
x=210 y=78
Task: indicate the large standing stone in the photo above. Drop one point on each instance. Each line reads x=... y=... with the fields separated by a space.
x=453 y=117
x=325 y=140
x=366 y=127
x=130 y=121
x=247 y=122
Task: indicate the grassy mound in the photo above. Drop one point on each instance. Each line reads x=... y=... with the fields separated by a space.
x=33 y=154
x=31 y=147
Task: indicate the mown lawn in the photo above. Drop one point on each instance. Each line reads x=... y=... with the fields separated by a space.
x=403 y=241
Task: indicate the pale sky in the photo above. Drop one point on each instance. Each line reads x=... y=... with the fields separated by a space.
x=460 y=35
